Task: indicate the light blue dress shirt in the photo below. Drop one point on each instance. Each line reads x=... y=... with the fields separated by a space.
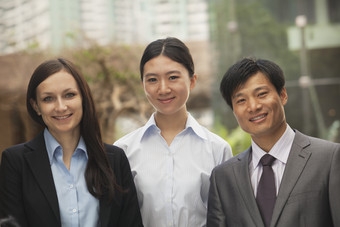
x=77 y=206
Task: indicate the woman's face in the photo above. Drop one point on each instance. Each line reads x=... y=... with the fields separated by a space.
x=167 y=85
x=59 y=103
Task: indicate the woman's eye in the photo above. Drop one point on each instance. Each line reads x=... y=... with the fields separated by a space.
x=151 y=80
x=173 y=77
x=69 y=95
x=47 y=99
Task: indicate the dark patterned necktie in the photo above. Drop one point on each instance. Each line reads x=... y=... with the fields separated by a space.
x=266 y=192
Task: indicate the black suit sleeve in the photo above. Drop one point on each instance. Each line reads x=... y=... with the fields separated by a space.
x=11 y=201
x=129 y=212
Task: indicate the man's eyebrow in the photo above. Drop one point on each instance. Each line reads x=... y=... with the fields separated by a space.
x=237 y=95
x=261 y=88
x=256 y=90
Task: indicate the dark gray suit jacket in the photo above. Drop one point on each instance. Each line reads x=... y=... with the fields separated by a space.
x=309 y=194
x=27 y=189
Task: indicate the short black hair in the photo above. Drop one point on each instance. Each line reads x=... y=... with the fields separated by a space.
x=241 y=71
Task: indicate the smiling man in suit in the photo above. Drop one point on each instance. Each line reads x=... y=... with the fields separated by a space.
x=284 y=178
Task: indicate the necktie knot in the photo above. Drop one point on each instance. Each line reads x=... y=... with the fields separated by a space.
x=267 y=160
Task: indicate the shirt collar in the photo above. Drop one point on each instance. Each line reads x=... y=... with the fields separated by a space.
x=191 y=123
x=195 y=126
x=52 y=145
x=280 y=150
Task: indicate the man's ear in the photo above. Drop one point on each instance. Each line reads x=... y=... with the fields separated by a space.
x=284 y=96
x=35 y=106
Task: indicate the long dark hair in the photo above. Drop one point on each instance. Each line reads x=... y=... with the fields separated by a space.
x=172 y=48
x=99 y=177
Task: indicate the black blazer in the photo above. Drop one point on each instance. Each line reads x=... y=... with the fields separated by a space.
x=28 y=193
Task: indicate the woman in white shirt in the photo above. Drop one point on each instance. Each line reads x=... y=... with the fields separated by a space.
x=172 y=155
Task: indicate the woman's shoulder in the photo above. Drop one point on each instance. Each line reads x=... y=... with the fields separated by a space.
x=115 y=153
x=15 y=151
x=218 y=144
x=113 y=150
x=130 y=138
x=20 y=149
x=117 y=159
x=213 y=137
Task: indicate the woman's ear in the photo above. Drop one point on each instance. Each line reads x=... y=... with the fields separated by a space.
x=35 y=106
x=193 y=80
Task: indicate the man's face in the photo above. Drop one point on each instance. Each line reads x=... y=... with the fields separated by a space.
x=259 y=109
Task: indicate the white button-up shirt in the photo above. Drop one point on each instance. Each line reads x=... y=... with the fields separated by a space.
x=173 y=181
x=280 y=151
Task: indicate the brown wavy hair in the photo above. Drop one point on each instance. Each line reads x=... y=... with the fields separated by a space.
x=99 y=177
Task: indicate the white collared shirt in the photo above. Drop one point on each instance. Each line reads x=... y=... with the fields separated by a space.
x=280 y=151
x=173 y=181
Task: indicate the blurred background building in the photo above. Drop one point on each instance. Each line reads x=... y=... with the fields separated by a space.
x=56 y=24
x=218 y=33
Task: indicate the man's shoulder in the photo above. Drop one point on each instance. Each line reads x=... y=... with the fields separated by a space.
x=242 y=157
x=314 y=142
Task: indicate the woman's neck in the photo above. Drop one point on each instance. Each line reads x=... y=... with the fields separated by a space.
x=68 y=142
x=171 y=125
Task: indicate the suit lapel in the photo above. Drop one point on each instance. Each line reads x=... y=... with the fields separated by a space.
x=296 y=162
x=39 y=163
x=241 y=172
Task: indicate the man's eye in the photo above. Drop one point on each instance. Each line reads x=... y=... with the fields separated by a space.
x=240 y=100
x=262 y=94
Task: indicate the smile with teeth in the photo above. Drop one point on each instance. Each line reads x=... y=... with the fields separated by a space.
x=62 y=117
x=258 y=117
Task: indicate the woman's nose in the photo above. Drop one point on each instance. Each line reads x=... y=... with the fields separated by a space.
x=164 y=87
x=60 y=105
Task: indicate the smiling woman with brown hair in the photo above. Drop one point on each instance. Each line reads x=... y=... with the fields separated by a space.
x=66 y=176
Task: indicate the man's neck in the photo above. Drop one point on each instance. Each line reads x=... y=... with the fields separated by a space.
x=267 y=141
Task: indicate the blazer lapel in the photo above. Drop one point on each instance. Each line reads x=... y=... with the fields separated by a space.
x=296 y=162
x=241 y=172
x=39 y=163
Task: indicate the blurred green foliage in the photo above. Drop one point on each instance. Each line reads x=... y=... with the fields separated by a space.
x=237 y=138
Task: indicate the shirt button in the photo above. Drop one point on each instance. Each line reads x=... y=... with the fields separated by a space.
x=74 y=210
x=71 y=185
